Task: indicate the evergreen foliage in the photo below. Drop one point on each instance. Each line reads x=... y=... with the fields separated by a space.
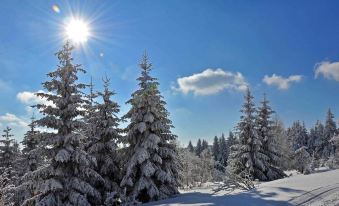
x=190 y=147
x=67 y=178
x=103 y=144
x=269 y=147
x=151 y=172
x=247 y=157
x=216 y=149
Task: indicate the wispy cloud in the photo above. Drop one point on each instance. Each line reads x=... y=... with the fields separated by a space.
x=30 y=99
x=12 y=120
x=281 y=82
x=328 y=70
x=211 y=82
x=4 y=86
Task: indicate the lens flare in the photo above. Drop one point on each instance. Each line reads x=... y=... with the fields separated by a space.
x=56 y=8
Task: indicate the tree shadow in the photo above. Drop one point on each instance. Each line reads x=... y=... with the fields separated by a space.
x=285 y=189
x=249 y=198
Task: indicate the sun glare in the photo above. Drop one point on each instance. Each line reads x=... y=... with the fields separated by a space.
x=77 y=31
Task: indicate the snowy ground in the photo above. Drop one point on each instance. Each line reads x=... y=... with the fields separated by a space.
x=318 y=189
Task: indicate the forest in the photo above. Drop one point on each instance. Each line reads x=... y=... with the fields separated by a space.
x=77 y=153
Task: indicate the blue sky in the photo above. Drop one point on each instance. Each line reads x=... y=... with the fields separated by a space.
x=203 y=52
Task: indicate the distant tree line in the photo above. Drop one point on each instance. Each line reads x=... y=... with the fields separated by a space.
x=260 y=148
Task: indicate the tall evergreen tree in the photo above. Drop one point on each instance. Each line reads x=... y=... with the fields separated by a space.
x=103 y=144
x=330 y=130
x=269 y=145
x=247 y=157
x=216 y=149
x=190 y=147
x=223 y=150
x=68 y=178
x=198 y=148
x=152 y=166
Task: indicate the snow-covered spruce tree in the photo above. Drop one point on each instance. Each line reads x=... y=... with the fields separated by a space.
x=269 y=147
x=151 y=172
x=8 y=155
x=9 y=177
x=67 y=179
x=103 y=144
x=216 y=149
x=190 y=147
x=329 y=132
x=88 y=105
x=224 y=151
x=198 y=148
x=315 y=140
x=297 y=135
x=30 y=157
x=302 y=160
x=247 y=158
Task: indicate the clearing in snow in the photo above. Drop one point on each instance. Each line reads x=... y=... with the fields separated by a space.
x=318 y=189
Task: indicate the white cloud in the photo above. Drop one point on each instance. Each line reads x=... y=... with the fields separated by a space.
x=328 y=70
x=211 y=82
x=281 y=82
x=12 y=120
x=29 y=98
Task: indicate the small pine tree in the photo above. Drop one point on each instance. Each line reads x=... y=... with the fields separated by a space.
x=68 y=178
x=8 y=155
x=31 y=158
x=216 y=149
x=152 y=169
x=9 y=177
x=190 y=147
x=198 y=148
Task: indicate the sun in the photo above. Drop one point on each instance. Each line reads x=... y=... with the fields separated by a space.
x=77 y=31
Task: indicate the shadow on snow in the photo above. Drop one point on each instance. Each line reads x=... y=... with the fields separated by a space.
x=249 y=198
